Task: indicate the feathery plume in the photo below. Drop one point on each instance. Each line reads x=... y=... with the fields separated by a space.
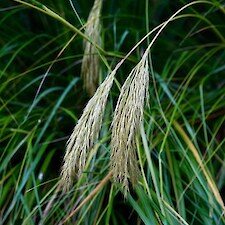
x=126 y=123
x=91 y=59
x=85 y=133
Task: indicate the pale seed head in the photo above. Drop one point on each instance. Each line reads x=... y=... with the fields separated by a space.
x=90 y=66
x=126 y=123
x=85 y=134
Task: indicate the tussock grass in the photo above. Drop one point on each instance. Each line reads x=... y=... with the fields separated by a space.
x=173 y=151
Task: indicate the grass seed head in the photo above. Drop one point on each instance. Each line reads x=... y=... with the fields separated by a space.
x=91 y=59
x=85 y=134
x=126 y=123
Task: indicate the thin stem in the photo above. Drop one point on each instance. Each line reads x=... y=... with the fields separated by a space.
x=90 y=196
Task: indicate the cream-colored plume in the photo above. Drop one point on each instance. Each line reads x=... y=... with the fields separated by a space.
x=126 y=123
x=90 y=65
x=85 y=133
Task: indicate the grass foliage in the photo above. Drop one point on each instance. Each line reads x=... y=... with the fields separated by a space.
x=179 y=145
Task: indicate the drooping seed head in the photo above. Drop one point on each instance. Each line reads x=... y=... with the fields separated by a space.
x=126 y=123
x=85 y=134
x=90 y=66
